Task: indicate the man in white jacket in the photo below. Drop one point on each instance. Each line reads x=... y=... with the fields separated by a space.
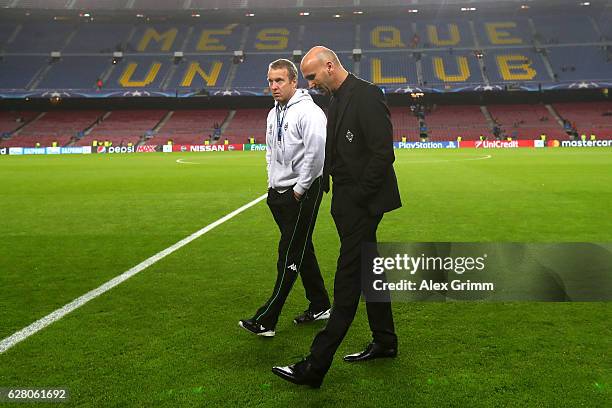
x=295 y=152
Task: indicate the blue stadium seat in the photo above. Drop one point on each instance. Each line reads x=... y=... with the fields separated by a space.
x=515 y=65
x=273 y=37
x=6 y=30
x=16 y=72
x=252 y=73
x=156 y=38
x=215 y=38
x=213 y=68
x=503 y=32
x=341 y=37
x=458 y=68
x=580 y=63
x=41 y=37
x=444 y=34
x=386 y=35
x=99 y=38
x=148 y=72
x=564 y=29
x=75 y=73
x=396 y=68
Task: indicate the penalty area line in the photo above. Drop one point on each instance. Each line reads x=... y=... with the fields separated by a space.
x=56 y=315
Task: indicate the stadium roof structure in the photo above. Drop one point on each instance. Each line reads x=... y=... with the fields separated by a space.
x=178 y=5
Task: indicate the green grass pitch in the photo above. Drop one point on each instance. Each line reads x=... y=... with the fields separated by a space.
x=169 y=336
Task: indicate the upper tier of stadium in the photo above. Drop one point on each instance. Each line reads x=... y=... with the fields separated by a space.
x=185 y=57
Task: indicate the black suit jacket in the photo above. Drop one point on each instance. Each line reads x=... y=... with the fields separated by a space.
x=363 y=136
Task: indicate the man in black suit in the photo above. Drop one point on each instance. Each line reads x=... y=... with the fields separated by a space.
x=359 y=158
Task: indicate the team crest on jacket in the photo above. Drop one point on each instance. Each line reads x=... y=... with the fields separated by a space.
x=349 y=136
x=286 y=126
x=270 y=129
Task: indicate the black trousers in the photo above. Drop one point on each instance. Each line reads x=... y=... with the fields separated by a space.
x=355 y=226
x=296 y=254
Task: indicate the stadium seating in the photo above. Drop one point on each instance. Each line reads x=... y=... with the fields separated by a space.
x=404 y=123
x=189 y=126
x=575 y=29
x=99 y=4
x=43 y=4
x=441 y=54
x=54 y=126
x=11 y=120
x=124 y=126
x=247 y=123
x=41 y=37
x=440 y=68
x=449 y=122
x=18 y=72
x=570 y=63
x=526 y=121
x=158 y=4
x=515 y=66
x=589 y=117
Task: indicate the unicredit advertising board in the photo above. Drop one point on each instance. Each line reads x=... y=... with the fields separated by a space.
x=496 y=144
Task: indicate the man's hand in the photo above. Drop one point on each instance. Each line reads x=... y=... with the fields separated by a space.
x=297 y=196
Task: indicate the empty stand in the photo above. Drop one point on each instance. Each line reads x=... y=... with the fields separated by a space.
x=158 y=4
x=74 y=73
x=41 y=37
x=580 y=63
x=55 y=126
x=12 y=120
x=124 y=126
x=526 y=121
x=43 y=4
x=575 y=29
x=16 y=72
x=189 y=126
x=99 y=4
x=393 y=50
x=247 y=123
x=404 y=123
x=450 y=122
x=518 y=65
x=450 y=68
x=589 y=117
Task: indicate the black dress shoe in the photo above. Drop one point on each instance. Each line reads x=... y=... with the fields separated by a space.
x=301 y=373
x=372 y=351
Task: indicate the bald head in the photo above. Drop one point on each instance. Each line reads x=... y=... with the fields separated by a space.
x=322 y=69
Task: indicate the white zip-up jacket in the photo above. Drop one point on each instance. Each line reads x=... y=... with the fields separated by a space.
x=297 y=159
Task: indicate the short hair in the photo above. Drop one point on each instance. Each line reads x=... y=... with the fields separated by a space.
x=286 y=64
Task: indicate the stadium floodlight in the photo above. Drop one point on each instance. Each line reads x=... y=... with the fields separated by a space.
x=117 y=56
x=297 y=55
x=55 y=56
x=337 y=15
x=357 y=54
x=178 y=56
x=238 y=57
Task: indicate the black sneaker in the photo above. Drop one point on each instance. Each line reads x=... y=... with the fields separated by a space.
x=256 y=328
x=310 y=316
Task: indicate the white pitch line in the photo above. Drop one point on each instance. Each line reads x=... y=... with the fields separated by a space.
x=488 y=156
x=180 y=161
x=40 y=324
